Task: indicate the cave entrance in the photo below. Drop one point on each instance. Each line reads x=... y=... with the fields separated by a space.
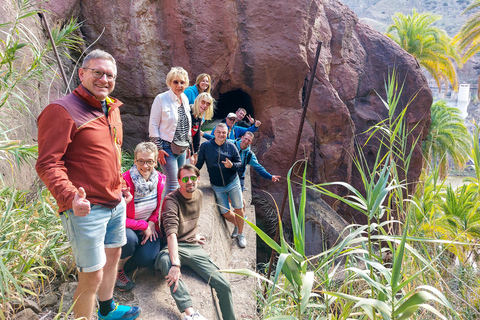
x=232 y=100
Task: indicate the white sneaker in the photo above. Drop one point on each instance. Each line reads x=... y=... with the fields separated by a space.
x=235 y=232
x=242 y=242
x=195 y=316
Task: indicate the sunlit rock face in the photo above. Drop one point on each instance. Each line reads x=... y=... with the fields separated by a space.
x=266 y=49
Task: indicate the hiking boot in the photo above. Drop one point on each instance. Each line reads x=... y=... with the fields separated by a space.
x=242 y=242
x=121 y=313
x=123 y=282
x=235 y=232
x=195 y=316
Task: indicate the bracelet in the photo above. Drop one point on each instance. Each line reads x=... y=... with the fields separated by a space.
x=176 y=265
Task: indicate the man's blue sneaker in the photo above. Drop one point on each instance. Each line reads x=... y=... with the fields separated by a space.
x=121 y=312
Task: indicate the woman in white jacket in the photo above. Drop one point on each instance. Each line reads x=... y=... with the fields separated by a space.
x=170 y=126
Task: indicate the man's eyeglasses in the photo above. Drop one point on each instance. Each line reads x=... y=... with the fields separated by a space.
x=142 y=162
x=176 y=82
x=231 y=119
x=193 y=178
x=98 y=74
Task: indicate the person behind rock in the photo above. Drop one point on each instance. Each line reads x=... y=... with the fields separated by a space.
x=146 y=185
x=180 y=214
x=234 y=132
x=170 y=125
x=240 y=115
x=223 y=161
x=79 y=148
x=202 y=110
x=249 y=158
x=202 y=84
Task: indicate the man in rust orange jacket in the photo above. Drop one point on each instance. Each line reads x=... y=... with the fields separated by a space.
x=79 y=153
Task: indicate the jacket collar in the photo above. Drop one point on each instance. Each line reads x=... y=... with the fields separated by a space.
x=237 y=144
x=85 y=95
x=219 y=145
x=173 y=96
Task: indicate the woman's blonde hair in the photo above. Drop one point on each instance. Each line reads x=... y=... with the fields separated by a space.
x=196 y=106
x=146 y=146
x=177 y=71
x=200 y=78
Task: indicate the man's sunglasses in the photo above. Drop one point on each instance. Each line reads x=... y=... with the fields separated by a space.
x=193 y=178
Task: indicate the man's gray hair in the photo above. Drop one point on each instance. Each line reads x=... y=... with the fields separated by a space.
x=223 y=125
x=98 y=54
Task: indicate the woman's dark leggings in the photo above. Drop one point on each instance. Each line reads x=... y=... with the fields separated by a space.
x=142 y=255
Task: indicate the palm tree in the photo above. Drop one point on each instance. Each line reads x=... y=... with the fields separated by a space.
x=447 y=136
x=468 y=38
x=461 y=212
x=431 y=46
x=446 y=213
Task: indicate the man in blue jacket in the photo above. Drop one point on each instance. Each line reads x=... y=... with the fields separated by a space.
x=240 y=115
x=249 y=158
x=234 y=131
x=223 y=161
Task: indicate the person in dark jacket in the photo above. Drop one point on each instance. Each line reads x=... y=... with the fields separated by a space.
x=223 y=161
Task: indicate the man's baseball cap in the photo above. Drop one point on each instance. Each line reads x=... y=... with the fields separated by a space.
x=231 y=115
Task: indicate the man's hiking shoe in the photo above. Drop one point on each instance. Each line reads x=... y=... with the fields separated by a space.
x=123 y=282
x=235 y=232
x=121 y=313
x=242 y=242
x=195 y=316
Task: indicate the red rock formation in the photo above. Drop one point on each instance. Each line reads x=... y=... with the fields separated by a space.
x=264 y=48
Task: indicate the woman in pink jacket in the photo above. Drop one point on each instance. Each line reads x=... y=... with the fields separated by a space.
x=146 y=185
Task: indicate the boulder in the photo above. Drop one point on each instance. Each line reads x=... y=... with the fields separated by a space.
x=266 y=49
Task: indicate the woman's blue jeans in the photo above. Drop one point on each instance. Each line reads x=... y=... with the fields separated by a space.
x=170 y=169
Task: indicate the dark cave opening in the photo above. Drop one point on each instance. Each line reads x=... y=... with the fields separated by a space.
x=232 y=100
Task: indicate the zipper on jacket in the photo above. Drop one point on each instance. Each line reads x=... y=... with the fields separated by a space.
x=113 y=141
x=220 y=167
